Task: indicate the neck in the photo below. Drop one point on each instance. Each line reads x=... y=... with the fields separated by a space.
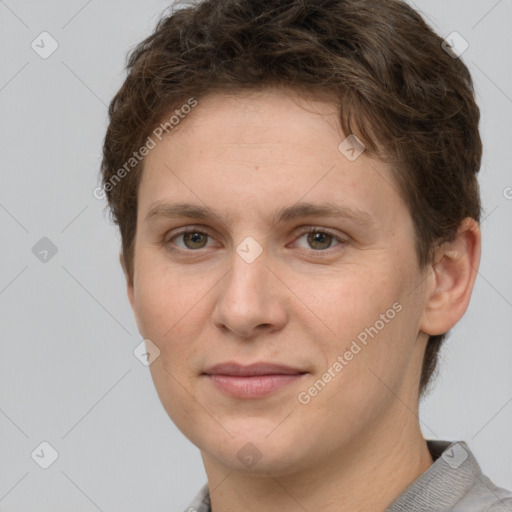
x=368 y=475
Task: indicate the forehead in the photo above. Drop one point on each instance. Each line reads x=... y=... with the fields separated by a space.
x=266 y=148
x=252 y=122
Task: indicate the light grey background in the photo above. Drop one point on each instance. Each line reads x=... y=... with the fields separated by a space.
x=68 y=374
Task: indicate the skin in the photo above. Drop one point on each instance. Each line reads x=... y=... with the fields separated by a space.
x=357 y=444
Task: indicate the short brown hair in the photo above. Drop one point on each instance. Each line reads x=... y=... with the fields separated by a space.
x=407 y=99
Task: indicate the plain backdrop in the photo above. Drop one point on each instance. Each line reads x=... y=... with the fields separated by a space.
x=68 y=375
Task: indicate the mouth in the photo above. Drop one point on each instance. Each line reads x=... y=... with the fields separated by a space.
x=257 y=380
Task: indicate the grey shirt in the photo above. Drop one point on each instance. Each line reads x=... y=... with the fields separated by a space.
x=454 y=483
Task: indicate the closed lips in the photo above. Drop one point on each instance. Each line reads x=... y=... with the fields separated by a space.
x=255 y=369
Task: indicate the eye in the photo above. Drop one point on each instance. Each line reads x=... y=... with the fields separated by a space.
x=318 y=240
x=190 y=239
x=194 y=239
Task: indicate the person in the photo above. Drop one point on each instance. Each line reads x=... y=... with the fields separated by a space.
x=295 y=184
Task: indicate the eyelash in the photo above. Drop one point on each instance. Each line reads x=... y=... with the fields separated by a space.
x=167 y=241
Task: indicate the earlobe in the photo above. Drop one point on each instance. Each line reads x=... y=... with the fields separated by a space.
x=452 y=278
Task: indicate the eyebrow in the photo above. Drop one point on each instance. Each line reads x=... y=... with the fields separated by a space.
x=286 y=214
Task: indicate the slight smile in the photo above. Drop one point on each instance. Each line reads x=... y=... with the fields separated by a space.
x=256 y=380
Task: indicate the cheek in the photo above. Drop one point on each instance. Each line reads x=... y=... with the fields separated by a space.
x=349 y=302
x=164 y=299
x=171 y=314
x=366 y=318
x=174 y=310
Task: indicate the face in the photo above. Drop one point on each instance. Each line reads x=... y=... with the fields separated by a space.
x=264 y=248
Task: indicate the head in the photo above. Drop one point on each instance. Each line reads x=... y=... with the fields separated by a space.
x=239 y=121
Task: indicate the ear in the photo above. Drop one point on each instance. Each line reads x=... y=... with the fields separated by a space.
x=129 y=281
x=451 y=279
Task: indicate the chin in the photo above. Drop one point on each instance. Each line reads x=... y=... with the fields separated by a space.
x=258 y=450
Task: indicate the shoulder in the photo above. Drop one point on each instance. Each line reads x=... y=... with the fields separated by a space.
x=503 y=505
x=484 y=496
x=453 y=483
x=477 y=493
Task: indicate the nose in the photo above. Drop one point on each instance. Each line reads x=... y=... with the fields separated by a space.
x=251 y=300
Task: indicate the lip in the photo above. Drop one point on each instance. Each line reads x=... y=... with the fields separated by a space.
x=251 y=370
x=256 y=380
